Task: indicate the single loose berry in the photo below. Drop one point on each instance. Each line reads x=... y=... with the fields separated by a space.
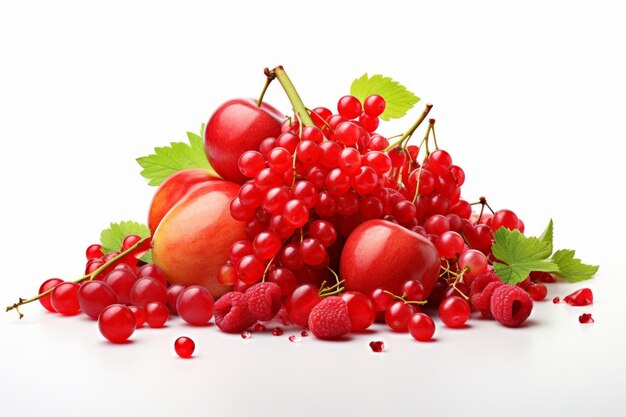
x=184 y=347
x=454 y=312
x=556 y=300
x=117 y=323
x=330 y=318
x=421 y=327
x=232 y=314
x=511 y=305
x=537 y=292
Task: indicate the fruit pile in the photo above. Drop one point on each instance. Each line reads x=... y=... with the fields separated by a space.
x=317 y=220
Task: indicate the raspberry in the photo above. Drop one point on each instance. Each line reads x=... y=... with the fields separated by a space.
x=330 y=319
x=481 y=281
x=511 y=305
x=232 y=314
x=482 y=300
x=264 y=300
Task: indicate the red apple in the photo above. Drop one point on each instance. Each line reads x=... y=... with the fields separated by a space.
x=381 y=254
x=193 y=240
x=237 y=126
x=172 y=190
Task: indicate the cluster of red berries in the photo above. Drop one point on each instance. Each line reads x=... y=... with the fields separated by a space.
x=123 y=293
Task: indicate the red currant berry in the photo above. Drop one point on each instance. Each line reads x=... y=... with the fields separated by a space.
x=117 y=323
x=312 y=251
x=266 y=245
x=147 y=290
x=64 y=298
x=251 y=163
x=94 y=296
x=504 y=218
x=296 y=213
x=473 y=262
x=184 y=347
x=537 y=292
x=398 y=316
x=349 y=107
x=454 y=312
x=157 y=314
x=121 y=281
x=173 y=292
x=48 y=285
x=195 y=305
x=381 y=300
x=300 y=303
x=154 y=272
x=374 y=105
x=450 y=244
x=347 y=133
x=413 y=290
x=94 y=251
x=250 y=269
x=360 y=310
x=421 y=327
x=140 y=316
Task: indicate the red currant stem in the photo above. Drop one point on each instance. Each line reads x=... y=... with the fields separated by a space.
x=298 y=106
x=431 y=124
x=406 y=135
x=267 y=268
x=417 y=186
x=457 y=280
x=91 y=276
x=334 y=289
x=480 y=216
x=323 y=121
x=269 y=77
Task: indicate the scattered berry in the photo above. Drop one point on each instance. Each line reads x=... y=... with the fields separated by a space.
x=511 y=305
x=585 y=318
x=454 y=312
x=277 y=331
x=398 y=316
x=556 y=300
x=184 y=347
x=421 y=327
x=581 y=297
x=377 y=346
x=304 y=333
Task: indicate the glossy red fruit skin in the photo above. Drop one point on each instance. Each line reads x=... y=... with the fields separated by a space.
x=173 y=291
x=147 y=290
x=117 y=323
x=184 y=347
x=360 y=309
x=381 y=254
x=64 y=298
x=47 y=285
x=237 y=126
x=172 y=190
x=454 y=312
x=140 y=316
x=300 y=303
x=95 y=296
x=195 y=305
x=421 y=327
x=157 y=314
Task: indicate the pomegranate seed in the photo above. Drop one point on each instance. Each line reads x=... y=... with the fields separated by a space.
x=277 y=331
x=556 y=300
x=304 y=333
x=258 y=327
x=246 y=335
x=586 y=318
x=377 y=346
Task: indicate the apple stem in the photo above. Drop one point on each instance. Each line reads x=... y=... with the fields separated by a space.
x=298 y=106
x=89 y=277
x=407 y=135
x=269 y=77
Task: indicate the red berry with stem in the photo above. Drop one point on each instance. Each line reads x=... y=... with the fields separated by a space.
x=94 y=251
x=439 y=162
x=140 y=316
x=305 y=191
x=413 y=290
x=369 y=123
x=319 y=115
x=147 y=290
x=347 y=133
x=421 y=327
x=350 y=160
x=381 y=299
x=454 y=312
x=121 y=281
x=300 y=303
x=64 y=298
x=504 y=218
x=360 y=309
x=279 y=160
x=324 y=231
x=195 y=305
x=250 y=269
x=379 y=161
x=117 y=323
x=437 y=224
x=337 y=182
x=307 y=152
x=184 y=347
x=129 y=241
x=365 y=180
x=48 y=285
x=349 y=107
x=374 y=105
x=296 y=213
x=267 y=145
x=473 y=262
x=94 y=296
x=266 y=245
x=398 y=316
x=312 y=252
x=157 y=314
x=251 y=163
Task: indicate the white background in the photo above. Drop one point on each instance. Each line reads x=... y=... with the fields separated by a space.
x=528 y=99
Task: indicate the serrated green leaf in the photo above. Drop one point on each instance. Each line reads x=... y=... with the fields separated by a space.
x=512 y=274
x=399 y=100
x=572 y=269
x=548 y=235
x=167 y=160
x=111 y=238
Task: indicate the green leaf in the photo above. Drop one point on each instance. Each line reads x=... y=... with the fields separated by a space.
x=572 y=269
x=399 y=100
x=111 y=238
x=520 y=255
x=167 y=160
x=548 y=235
